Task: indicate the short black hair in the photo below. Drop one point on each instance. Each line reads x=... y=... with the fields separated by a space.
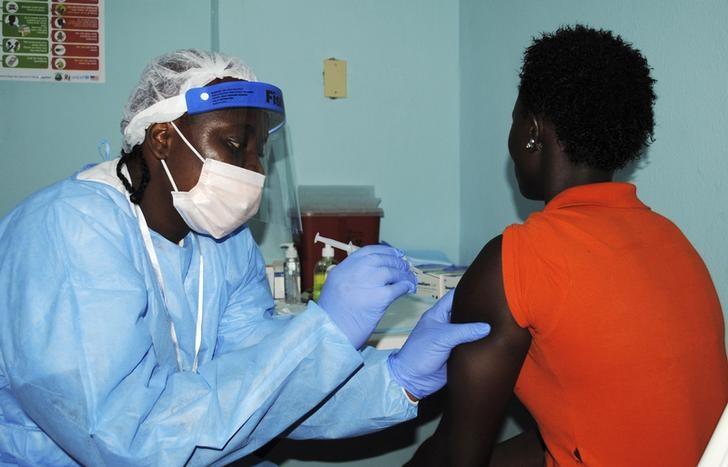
x=595 y=89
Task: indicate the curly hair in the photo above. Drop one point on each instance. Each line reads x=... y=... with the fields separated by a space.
x=595 y=89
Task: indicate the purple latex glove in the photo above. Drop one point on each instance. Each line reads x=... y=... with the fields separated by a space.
x=358 y=291
x=420 y=366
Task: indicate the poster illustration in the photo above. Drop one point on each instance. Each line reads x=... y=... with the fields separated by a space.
x=52 y=40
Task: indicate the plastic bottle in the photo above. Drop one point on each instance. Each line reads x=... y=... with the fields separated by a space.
x=321 y=270
x=291 y=275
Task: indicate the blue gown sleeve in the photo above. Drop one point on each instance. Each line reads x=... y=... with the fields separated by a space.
x=249 y=315
x=369 y=401
x=77 y=338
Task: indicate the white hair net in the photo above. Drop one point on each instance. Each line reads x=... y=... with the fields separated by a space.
x=159 y=96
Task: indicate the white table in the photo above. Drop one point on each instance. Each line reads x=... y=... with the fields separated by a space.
x=398 y=321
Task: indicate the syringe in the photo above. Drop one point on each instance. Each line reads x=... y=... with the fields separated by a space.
x=349 y=248
x=423 y=278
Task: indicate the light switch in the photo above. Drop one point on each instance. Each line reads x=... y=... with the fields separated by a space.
x=334 y=78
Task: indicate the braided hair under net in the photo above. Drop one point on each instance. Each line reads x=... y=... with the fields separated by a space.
x=135 y=193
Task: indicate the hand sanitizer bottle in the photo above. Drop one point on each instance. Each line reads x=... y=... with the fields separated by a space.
x=292 y=275
x=321 y=270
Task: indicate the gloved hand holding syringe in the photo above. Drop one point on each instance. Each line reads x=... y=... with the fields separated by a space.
x=419 y=367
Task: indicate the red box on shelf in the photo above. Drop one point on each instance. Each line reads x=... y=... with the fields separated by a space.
x=347 y=213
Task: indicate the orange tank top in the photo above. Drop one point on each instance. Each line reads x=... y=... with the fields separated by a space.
x=627 y=364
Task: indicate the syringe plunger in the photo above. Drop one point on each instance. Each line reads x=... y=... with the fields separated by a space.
x=347 y=247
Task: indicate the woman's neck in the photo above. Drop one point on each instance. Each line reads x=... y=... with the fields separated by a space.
x=564 y=174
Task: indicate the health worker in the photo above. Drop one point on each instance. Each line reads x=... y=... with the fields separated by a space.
x=136 y=321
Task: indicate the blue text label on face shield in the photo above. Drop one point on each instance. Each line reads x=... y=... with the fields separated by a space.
x=232 y=94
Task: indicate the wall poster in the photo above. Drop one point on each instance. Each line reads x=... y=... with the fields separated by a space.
x=52 y=40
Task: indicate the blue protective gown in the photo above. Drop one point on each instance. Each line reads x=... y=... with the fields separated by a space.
x=88 y=370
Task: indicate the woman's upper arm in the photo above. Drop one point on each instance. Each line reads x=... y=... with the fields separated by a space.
x=482 y=374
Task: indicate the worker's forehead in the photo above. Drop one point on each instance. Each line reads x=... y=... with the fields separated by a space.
x=233 y=116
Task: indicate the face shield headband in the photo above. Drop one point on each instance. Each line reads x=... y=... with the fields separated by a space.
x=229 y=94
x=232 y=94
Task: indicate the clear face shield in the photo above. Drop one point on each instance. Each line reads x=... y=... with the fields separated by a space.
x=279 y=214
x=279 y=205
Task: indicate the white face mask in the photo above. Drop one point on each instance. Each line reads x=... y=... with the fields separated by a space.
x=224 y=198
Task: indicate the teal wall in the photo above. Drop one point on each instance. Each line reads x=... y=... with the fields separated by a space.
x=440 y=165
x=397 y=130
x=685 y=175
x=50 y=130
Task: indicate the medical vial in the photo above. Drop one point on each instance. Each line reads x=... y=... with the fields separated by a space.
x=292 y=275
x=321 y=270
